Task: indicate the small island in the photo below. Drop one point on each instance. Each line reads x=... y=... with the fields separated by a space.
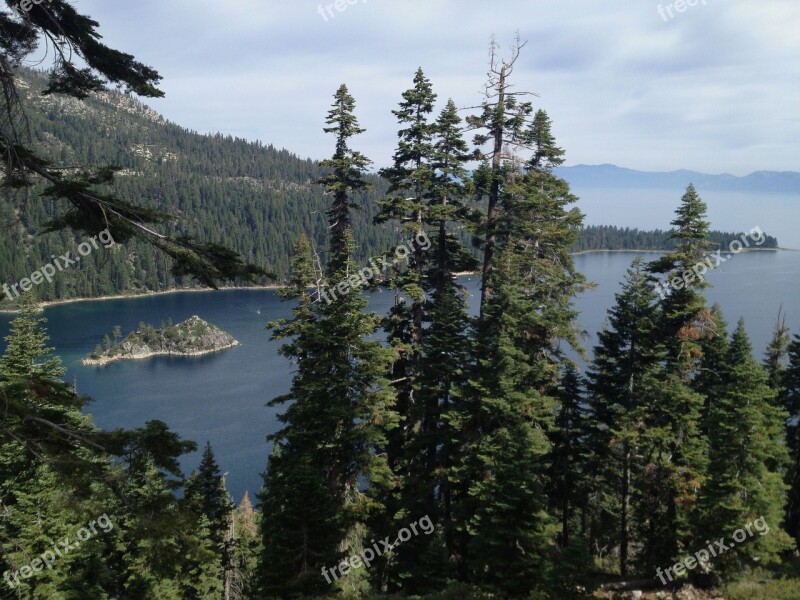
x=193 y=337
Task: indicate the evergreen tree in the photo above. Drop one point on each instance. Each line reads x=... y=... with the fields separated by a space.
x=684 y=308
x=621 y=383
x=86 y=207
x=504 y=444
x=714 y=346
x=206 y=494
x=507 y=414
x=421 y=451
x=410 y=179
x=790 y=402
x=502 y=123
x=568 y=456
x=244 y=580
x=300 y=523
x=674 y=438
x=775 y=358
x=325 y=476
x=26 y=352
x=746 y=460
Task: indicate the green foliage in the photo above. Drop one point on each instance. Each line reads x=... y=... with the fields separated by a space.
x=674 y=440
x=789 y=400
x=611 y=237
x=622 y=381
x=765 y=584
x=484 y=425
x=508 y=413
x=26 y=351
x=746 y=461
x=427 y=330
x=254 y=198
x=325 y=477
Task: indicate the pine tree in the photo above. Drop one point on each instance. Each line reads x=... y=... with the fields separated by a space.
x=246 y=527
x=714 y=346
x=684 y=308
x=502 y=121
x=504 y=443
x=674 y=437
x=746 y=460
x=206 y=499
x=570 y=486
x=509 y=401
x=27 y=353
x=568 y=456
x=42 y=420
x=775 y=358
x=206 y=494
x=86 y=208
x=300 y=524
x=421 y=451
x=621 y=382
x=325 y=476
x=790 y=402
x=410 y=179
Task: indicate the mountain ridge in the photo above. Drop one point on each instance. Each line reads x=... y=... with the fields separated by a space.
x=608 y=175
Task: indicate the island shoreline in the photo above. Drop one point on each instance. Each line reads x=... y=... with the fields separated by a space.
x=102 y=362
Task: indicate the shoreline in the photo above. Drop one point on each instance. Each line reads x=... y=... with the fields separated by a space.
x=102 y=362
x=50 y=303
x=742 y=251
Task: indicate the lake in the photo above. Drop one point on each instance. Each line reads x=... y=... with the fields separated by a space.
x=222 y=397
x=776 y=213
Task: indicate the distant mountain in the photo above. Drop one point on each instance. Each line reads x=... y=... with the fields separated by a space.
x=612 y=176
x=254 y=198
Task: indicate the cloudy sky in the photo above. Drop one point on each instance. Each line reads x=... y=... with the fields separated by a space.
x=713 y=88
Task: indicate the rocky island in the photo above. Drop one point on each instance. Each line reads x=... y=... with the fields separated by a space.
x=192 y=337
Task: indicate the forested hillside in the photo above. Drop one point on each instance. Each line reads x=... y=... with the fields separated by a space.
x=429 y=452
x=255 y=199
x=609 y=237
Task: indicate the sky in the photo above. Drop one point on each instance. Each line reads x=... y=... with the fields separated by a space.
x=712 y=87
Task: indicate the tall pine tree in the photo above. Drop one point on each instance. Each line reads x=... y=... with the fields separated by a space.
x=674 y=441
x=326 y=476
x=747 y=457
x=621 y=383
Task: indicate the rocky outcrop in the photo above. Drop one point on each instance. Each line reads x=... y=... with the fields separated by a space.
x=193 y=337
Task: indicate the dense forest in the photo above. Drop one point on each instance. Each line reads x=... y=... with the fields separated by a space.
x=454 y=456
x=249 y=197
x=609 y=237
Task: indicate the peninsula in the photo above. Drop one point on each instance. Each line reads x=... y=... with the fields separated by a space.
x=192 y=337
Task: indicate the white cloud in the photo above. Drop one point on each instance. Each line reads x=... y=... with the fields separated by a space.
x=714 y=89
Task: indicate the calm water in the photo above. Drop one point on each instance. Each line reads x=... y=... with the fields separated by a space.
x=776 y=214
x=221 y=397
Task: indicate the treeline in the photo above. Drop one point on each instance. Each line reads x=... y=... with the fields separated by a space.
x=252 y=198
x=609 y=237
x=539 y=481
x=467 y=454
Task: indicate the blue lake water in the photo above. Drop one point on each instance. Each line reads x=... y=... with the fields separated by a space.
x=775 y=213
x=222 y=397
